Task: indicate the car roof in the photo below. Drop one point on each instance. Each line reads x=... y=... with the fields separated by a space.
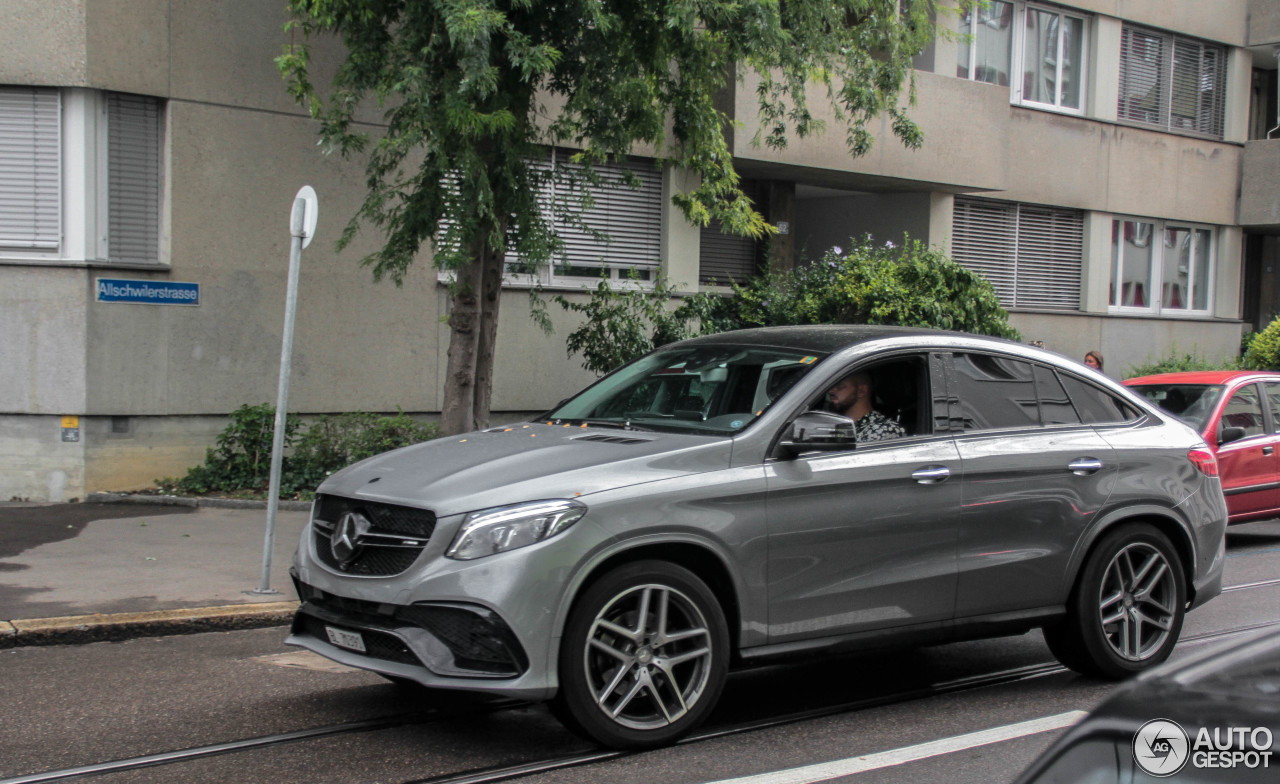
x=825 y=338
x=1202 y=377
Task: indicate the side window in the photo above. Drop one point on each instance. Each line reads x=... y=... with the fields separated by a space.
x=888 y=399
x=1243 y=410
x=1096 y=406
x=1273 y=396
x=995 y=392
x=1055 y=403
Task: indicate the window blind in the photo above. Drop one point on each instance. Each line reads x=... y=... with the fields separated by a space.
x=30 y=169
x=1173 y=83
x=1031 y=254
x=133 y=177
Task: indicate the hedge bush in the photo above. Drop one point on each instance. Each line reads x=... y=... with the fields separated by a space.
x=908 y=284
x=241 y=460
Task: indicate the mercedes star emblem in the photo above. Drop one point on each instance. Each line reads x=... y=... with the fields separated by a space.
x=345 y=542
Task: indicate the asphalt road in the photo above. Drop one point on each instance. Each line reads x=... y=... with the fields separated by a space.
x=80 y=705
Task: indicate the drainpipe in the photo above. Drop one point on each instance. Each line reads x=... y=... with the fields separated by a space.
x=1275 y=52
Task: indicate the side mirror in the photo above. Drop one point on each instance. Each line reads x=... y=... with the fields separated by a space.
x=818 y=431
x=1230 y=434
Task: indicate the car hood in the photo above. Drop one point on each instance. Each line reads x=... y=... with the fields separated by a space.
x=525 y=462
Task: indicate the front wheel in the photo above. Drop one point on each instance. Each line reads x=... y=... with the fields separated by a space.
x=1126 y=610
x=644 y=656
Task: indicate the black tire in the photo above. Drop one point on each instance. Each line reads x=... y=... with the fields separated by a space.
x=1127 y=607
x=658 y=684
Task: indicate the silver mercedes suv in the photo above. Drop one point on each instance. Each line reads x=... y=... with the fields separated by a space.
x=715 y=504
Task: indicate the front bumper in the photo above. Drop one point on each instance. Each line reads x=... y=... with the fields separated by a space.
x=448 y=640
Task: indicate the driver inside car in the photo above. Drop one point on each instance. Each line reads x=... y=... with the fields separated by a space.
x=852 y=396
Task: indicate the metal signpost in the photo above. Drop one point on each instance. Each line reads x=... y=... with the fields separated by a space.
x=302 y=225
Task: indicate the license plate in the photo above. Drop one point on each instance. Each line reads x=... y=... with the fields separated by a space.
x=345 y=639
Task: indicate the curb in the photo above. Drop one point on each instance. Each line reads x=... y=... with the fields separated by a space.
x=177 y=500
x=113 y=627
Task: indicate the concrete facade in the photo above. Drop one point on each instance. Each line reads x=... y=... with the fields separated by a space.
x=151 y=385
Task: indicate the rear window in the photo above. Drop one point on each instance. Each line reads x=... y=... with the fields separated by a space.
x=1192 y=403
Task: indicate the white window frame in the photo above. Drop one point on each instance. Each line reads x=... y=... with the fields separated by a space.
x=1155 y=284
x=83 y=202
x=1017 y=41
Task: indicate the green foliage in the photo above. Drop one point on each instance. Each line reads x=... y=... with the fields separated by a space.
x=1263 y=352
x=1178 y=362
x=241 y=458
x=241 y=461
x=470 y=91
x=333 y=442
x=908 y=284
x=872 y=283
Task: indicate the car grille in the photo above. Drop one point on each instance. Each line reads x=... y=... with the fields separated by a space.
x=393 y=542
x=480 y=644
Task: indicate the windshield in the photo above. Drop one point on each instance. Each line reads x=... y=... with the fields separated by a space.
x=703 y=389
x=1192 y=403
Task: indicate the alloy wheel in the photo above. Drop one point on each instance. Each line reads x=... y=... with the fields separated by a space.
x=1137 y=601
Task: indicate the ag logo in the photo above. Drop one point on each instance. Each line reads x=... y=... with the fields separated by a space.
x=345 y=540
x=1161 y=748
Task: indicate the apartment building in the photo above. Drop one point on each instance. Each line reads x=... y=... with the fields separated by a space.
x=1106 y=163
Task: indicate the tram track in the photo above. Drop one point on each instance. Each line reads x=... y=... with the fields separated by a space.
x=534 y=767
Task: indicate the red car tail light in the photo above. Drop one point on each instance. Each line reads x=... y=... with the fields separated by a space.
x=1204 y=461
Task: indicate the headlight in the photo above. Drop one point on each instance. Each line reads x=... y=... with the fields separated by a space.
x=505 y=528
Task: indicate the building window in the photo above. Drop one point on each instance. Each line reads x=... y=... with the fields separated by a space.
x=30 y=170
x=1030 y=253
x=1160 y=267
x=1044 y=48
x=133 y=178
x=725 y=258
x=1172 y=83
x=80 y=175
x=618 y=236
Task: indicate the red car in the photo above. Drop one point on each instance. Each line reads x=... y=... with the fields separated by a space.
x=1238 y=414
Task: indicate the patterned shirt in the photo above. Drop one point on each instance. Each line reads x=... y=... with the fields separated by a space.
x=877 y=427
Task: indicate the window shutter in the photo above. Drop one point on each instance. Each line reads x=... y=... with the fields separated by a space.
x=629 y=221
x=984 y=239
x=133 y=176
x=724 y=257
x=30 y=169
x=1171 y=82
x=1030 y=254
x=1142 y=94
x=1050 y=244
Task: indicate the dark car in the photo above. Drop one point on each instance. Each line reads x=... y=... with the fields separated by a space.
x=1238 y=415
x=703 y=508
x=1211 y=717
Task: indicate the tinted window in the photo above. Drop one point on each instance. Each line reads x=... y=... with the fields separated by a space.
x=1243 y=410
x=995 y=392
x=1096 y=406
x=1055 y=403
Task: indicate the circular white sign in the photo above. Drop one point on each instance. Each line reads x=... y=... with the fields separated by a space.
x=310 y=211
x=1161 y=747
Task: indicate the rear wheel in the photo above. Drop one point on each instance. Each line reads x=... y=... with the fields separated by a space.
x=644 y=656
x=1127 y=608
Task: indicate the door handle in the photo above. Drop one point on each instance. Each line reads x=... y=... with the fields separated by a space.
x=1084 y=466
x=931 y=475
x=1266 y=450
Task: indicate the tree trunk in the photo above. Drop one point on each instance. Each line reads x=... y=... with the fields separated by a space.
x=486 y=343
x=457 y=414
x=473 y=332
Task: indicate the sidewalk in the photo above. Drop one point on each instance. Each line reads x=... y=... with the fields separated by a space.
x=73 y=573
